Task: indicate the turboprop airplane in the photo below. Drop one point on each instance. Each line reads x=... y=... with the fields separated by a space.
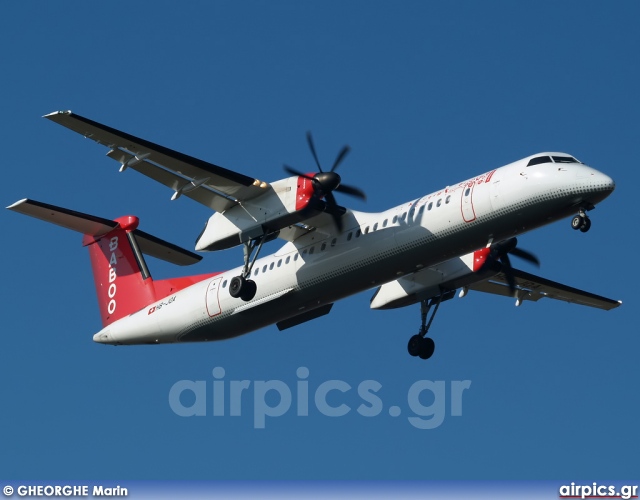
x=421 y=252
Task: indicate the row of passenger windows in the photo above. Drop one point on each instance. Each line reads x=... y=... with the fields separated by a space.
x=350 y=235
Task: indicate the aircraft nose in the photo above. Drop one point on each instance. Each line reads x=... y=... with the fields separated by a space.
x=605 y=182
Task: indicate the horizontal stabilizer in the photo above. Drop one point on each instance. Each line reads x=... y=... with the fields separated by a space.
x=97 y=226
x=70 y=219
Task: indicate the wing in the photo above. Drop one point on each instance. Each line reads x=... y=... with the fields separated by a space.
x=534 y=288
x=213 y=186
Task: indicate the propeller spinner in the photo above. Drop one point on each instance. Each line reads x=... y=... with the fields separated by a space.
x=500 y=252
x=324 y=183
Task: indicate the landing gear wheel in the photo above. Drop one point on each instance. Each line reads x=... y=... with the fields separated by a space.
x=586 y=225
x=236 y=286
x=427 y=347
x=249 y=290
x=577 y=222
x=414 y=345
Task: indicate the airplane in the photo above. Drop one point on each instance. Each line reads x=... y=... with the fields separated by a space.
x=420 y=252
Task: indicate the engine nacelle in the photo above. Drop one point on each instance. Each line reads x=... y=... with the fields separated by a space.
x=429 y=282
x=286 y=202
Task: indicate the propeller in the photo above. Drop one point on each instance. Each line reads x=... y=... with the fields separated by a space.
x=324 y=183
x=500 y=252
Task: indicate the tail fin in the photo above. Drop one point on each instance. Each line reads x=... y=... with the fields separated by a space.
x=122 y=279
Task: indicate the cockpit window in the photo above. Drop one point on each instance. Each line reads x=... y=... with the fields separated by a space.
x=565 y=159
x=538 y=160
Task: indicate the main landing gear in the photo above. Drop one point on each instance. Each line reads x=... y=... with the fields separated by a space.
x=420 y=345
x=581 y=221
x=241 y=286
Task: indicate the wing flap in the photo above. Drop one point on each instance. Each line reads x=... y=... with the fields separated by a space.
x=178 y=183
x=534 y=288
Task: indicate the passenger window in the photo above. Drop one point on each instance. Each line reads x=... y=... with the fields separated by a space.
x=334 y=241
x=366 y=230
x=279 y=262
x=271 y=267
x=224 y=285
x=295 y=257
x=430 y=205
x=288 y=259
x=304 y=252
x=404 y=216
x=395 y=219
x=375 y=226
x=421 y=211
x=448 y=199
x=467 y=191
x=349 y=236
x=264 y=268
x=358 y=233
x=324 y=245
x=384 y=222
x=255 y=273
x=311 y=250
x=439 y=202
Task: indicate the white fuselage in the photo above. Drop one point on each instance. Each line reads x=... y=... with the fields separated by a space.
x=373 y=248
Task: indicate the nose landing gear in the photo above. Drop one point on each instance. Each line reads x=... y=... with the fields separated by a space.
x=581 y=221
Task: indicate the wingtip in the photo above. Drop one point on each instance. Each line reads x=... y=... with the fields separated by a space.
x=17 y=203
x=55 y=113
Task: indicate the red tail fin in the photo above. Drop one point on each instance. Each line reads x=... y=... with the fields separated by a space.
x=123 y=283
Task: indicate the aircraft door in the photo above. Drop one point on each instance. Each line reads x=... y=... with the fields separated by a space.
x=468 y=212
x=212 y=298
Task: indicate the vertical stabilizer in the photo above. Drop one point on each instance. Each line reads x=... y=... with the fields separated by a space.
x=122 y=279
x=123 y=283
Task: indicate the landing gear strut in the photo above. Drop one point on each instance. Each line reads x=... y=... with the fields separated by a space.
x=581 y=221
x=241 y=286
x=420 y=345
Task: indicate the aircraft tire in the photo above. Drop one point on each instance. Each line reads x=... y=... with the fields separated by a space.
x=236 y=286
x=249 y=290
x=577 y=222
x=586 y=225
x=414 y=345
x=427 y=347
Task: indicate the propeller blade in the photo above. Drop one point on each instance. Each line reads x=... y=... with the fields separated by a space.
x=511 y=281
x=343 y=152
x=332 y=206
x=528 y=256
x=353 y=191
x=505 y=260
x=508 y=273
x=293 y=171
x=313 y=150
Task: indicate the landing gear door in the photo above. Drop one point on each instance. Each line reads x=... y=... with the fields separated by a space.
x=212 y=298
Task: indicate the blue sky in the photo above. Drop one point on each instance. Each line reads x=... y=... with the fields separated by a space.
x=426 y=94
